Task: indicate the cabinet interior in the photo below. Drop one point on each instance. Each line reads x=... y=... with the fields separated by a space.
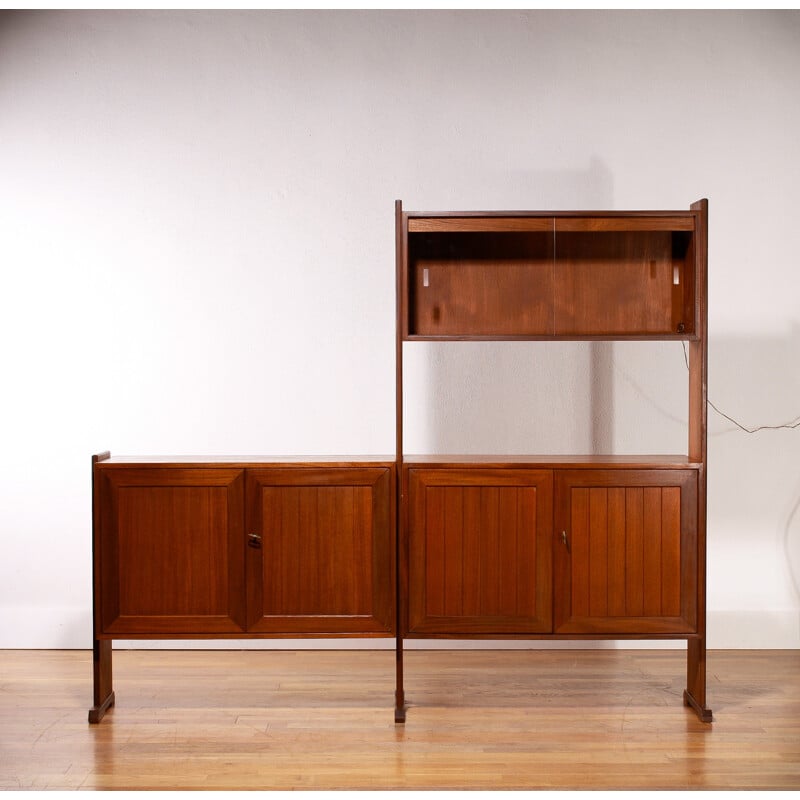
x=540 y=284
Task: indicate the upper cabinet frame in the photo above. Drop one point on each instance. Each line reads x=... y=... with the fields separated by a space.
x=550 y=275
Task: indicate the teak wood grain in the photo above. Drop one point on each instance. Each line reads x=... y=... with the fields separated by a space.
x=479 y=224
x=325 y=551
x=171 y=555
x=618 y=283
x=479 y=551
x=175 y=554
x=587 y=461
x=538 y=277
x=630 y=562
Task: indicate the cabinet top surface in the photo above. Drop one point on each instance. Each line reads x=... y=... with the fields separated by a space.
x=555 y=221
x=245 y=461
x=588 y=213
x=576 y=461
x=460 y=459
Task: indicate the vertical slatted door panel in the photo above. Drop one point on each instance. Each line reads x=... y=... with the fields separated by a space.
x=172 y=551
x=616 y=552
x=479 y=551
x=629 y=562
x=323 y=558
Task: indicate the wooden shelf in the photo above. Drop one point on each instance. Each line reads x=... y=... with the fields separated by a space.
x=562 y=337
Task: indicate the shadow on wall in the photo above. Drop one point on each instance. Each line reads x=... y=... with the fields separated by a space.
x=754 y=478
x=512 y=397
x=558 y=398
x=510 y=420
x=791 y=543
x=586 y=189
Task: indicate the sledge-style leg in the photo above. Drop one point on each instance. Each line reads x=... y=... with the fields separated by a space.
x=695 y=694
x=103 y=691
x=399 y=695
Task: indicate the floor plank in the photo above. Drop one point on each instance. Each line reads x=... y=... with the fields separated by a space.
x=561 y=719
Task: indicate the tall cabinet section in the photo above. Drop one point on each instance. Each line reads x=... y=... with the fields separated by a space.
x=545 y=546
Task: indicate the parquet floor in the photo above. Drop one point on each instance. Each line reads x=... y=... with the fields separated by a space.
x=547 y=719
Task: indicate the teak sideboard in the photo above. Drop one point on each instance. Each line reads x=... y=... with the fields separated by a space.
x=443 y=546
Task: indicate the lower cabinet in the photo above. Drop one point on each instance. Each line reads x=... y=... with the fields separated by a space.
x=552 y=551
x=205 y=551
x=480 y=550
x=265 y=550
x=626 y=551
x=169 y=551
x=268 y=549
x=320 y=556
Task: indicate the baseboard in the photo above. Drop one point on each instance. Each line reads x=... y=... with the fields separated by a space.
x=69 y=628
x=757 y=630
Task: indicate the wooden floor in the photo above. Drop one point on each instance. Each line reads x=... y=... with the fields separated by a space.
x=323 y=720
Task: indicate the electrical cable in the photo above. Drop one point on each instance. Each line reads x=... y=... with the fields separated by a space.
x=795 y=423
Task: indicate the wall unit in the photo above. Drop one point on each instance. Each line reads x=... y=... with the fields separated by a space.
x=595 y=546
x=240 y=549
x=426 y=546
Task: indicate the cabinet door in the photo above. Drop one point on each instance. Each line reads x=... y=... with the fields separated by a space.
x=321 y=558
x=479 y=551
x=621 y=282
x=171 y=551
x=626 y=557
x=482 y=283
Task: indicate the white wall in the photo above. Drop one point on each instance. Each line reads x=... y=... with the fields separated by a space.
x=197 y=253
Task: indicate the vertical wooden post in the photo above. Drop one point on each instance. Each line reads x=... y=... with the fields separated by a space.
x=695 y=694
x=103 y=691
x=101 y=650
x=400 y=236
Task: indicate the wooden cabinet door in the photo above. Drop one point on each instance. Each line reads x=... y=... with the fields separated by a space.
x=626 y=551
x=479 y=550
x=170 y=546
x=619 y=282
x=321 y=555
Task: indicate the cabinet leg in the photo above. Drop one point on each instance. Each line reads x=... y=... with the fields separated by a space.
x=103 y=691
x=399 y=695
x=695 y=694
